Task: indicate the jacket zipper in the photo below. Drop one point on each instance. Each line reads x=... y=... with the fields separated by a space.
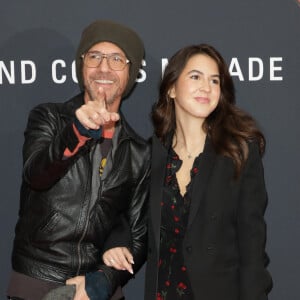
x=83 y=233
x=87 y=222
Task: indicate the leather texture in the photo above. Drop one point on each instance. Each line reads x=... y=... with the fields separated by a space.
x=67 y=211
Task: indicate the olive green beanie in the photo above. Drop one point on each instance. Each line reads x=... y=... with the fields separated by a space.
x=124 y=37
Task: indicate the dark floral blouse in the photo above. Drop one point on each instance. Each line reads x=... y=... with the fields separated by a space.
x=173 y=281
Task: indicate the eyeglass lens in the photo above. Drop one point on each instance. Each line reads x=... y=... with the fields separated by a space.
x=115 y=61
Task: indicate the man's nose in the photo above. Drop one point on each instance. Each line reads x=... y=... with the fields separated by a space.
x=104 y=66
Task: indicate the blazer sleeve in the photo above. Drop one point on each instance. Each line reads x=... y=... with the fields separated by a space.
x=255 y=281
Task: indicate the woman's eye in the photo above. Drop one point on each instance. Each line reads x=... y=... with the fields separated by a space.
x=215 y=81
x=195 y=77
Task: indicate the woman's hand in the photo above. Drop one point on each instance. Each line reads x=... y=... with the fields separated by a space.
x=119 y=258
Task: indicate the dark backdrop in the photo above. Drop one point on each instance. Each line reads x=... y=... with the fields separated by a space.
x=258 y=38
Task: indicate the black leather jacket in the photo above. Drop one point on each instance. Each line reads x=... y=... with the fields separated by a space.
x=67 y=211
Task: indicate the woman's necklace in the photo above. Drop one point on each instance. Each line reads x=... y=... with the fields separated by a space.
x=185 y=152
x=181 y=148
x=189 y=154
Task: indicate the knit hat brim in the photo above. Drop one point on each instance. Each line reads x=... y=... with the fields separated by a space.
x=124 y=37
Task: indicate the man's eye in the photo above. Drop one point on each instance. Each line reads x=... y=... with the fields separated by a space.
x=117 y=58
x=94 y=56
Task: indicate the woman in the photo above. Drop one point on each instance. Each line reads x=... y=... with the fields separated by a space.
x=207 y=231
x=207 y=201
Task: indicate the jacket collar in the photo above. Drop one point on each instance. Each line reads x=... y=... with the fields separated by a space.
x=69 y=107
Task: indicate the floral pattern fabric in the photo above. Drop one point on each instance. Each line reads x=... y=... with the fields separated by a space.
x=173 y=281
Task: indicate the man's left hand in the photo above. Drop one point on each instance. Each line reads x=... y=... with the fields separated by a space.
x=79 y=281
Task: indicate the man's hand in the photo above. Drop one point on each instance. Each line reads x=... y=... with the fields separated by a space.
x=120 y=258
x=79 y=281
x=94 y=113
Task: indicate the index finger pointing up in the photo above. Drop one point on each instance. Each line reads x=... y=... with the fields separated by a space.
x=100 y=98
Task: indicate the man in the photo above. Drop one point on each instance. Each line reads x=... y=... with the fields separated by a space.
x=85 y=175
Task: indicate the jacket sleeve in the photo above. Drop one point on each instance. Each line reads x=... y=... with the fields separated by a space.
x=132 y=233
x=120 y=236
x=46 y=138
x=255 y=281
x=137 y=217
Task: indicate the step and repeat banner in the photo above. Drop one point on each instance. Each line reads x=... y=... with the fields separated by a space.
x=261 y=43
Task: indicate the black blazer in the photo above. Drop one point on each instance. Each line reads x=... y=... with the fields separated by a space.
x=224 y=246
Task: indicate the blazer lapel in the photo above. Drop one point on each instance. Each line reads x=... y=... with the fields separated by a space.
x=199 y=187
x=158 y=167
x=200 y=183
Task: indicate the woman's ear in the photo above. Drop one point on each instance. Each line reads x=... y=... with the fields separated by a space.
x=172 y=93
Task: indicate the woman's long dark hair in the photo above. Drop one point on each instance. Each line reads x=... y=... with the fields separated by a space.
x=229 y=128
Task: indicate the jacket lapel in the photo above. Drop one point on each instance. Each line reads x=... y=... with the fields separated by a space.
x=200 y=183
x=158 y=167
x=199 y=187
